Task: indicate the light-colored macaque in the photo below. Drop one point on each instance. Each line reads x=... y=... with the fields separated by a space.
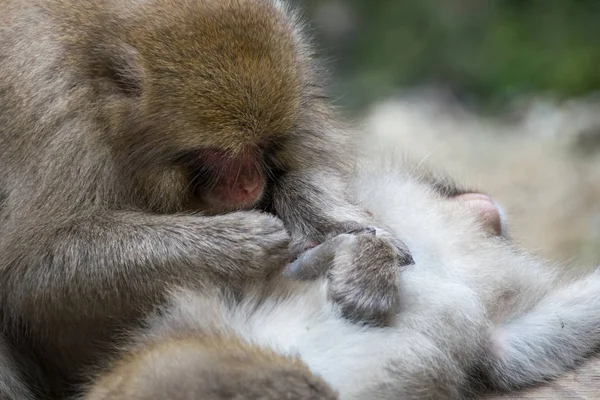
x=477 y=313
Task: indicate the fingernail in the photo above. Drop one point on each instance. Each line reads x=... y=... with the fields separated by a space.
x=371 y=230
x=406 y=260
x=363 y=229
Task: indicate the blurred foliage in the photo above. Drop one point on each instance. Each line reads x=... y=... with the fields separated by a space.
x=485 y=50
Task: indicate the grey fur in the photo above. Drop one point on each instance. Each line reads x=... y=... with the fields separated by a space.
x=13 y=385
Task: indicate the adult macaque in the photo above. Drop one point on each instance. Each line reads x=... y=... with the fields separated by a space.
x=128 y=130
x=477 y=313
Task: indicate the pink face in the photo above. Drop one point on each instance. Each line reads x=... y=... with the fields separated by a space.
x=231 y=182
x=487 y=210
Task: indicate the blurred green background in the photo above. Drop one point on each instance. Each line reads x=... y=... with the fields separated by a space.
x=485 y=51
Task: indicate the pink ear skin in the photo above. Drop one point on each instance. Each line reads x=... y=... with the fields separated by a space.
x=488 y=211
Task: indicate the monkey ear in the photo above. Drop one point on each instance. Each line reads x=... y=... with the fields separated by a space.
x=490 y=213
x=124 y=68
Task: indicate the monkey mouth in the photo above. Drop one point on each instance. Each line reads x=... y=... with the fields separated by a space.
x=230 y=200
x=224 y=183
x=223 y=196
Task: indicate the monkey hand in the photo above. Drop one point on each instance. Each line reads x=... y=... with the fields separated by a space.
x=362 y=268
x=252 y=245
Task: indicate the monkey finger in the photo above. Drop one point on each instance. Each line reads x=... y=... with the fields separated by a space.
x=316 y=262
x=405 y=257
x=403 y=253
x=310 y=264
x=354 y=228
x=351 y=228
x=363 y=230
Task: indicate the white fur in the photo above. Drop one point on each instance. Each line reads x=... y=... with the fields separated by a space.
x=470 y=301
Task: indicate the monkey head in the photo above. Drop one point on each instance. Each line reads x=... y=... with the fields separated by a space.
x=213 y=88
x=488 y=212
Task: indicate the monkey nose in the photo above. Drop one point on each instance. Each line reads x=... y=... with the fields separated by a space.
x=251 y=186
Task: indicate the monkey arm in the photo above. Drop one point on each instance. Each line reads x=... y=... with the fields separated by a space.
x=312 y=196
x=313 y=199
x=361 y=267
x=314 y=206
x=116 y=258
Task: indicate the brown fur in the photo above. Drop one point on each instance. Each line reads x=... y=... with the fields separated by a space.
x=108 y=108
x=207 y=367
